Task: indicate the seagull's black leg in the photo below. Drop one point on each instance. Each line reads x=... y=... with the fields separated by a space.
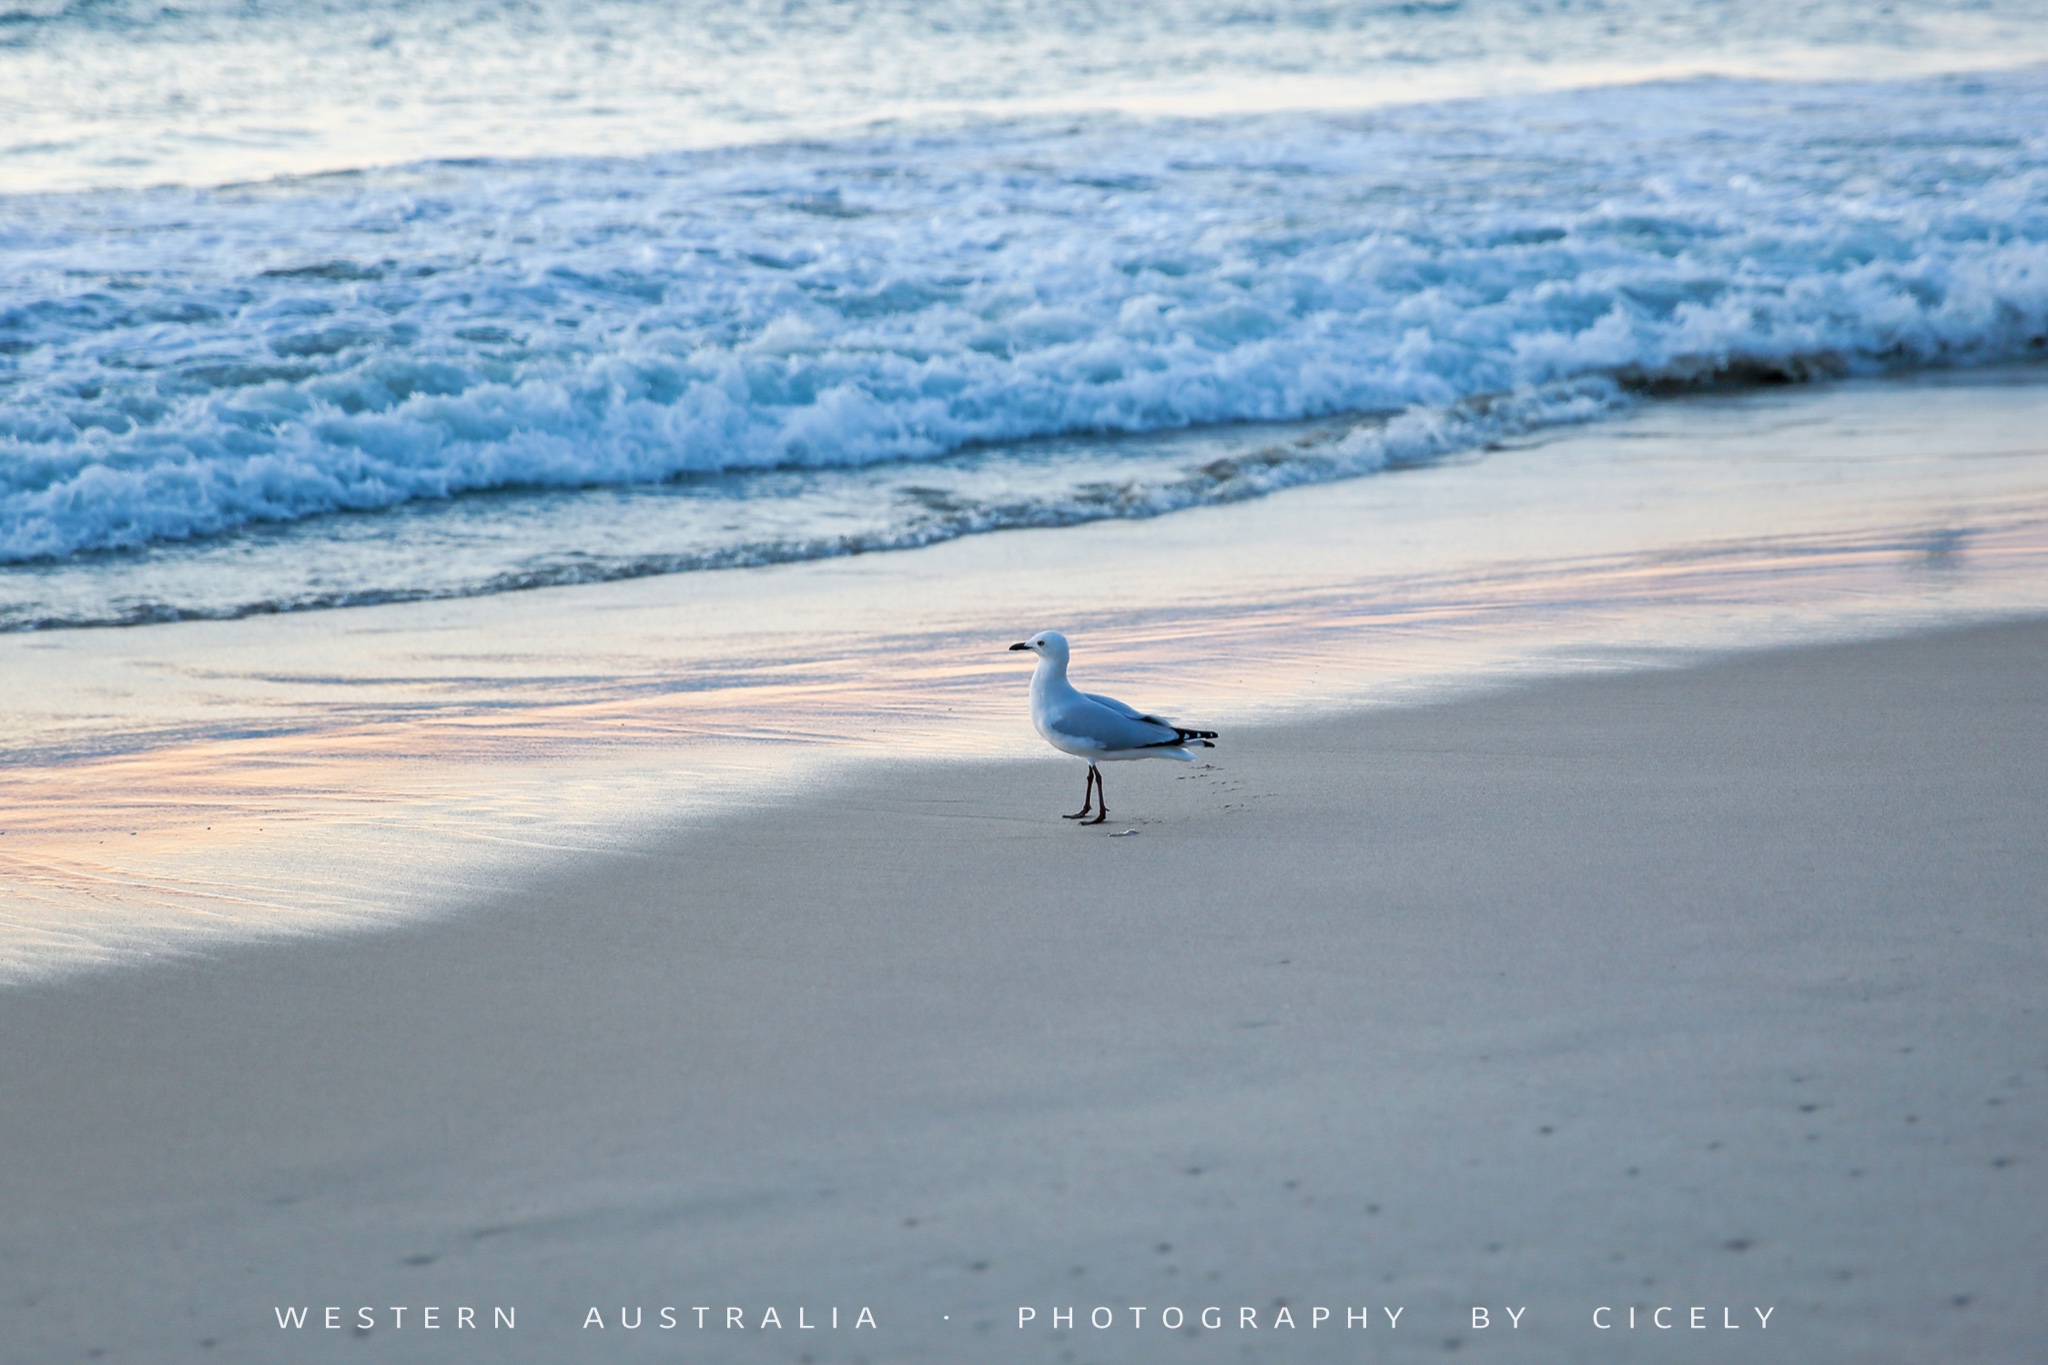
x=1101 y=798
x=1087 y=797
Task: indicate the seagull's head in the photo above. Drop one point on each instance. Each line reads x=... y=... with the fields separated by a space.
x=1047 y=644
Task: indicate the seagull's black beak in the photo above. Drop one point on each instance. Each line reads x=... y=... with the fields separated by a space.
x=1020 y=646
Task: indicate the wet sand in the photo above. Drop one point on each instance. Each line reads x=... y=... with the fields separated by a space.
x=1715 y=987
x=186 y=785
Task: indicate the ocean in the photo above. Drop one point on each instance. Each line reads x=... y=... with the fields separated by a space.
x=307 y=306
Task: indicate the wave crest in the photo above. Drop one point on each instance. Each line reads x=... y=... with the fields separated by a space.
x=182 y=363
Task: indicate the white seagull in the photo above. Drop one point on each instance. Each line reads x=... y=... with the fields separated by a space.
x=1099 y=729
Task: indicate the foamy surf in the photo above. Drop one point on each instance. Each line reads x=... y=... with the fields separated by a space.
x=992 y=302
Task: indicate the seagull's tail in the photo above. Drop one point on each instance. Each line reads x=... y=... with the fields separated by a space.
x=1184 y=740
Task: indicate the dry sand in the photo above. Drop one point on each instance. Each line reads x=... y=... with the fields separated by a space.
x=1717 y=987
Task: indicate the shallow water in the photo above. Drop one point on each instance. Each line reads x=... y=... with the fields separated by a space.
x=321 y=771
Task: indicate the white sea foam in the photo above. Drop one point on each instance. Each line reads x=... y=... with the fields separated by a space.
x=183 y=362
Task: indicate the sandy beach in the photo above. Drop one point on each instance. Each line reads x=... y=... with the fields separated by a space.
x=1713 y=988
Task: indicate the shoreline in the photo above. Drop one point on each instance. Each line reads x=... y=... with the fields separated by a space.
x=172 y=787
x=1712 y=985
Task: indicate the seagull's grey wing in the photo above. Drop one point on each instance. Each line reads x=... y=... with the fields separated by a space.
x=1124 y=709
x=1086 y=720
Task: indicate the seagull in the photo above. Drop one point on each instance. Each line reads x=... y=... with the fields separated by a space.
x=1099 y=729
